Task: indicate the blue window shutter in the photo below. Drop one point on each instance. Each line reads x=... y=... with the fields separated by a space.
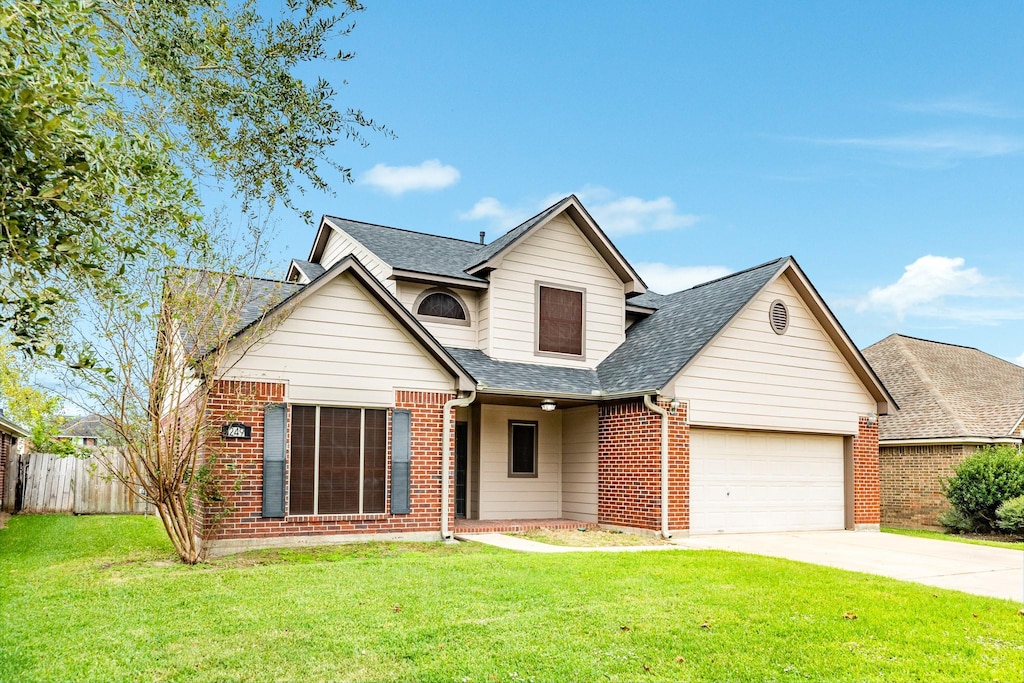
x=275 y=432
x=401 y=451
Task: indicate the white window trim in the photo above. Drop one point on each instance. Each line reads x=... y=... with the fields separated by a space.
x=438 y=319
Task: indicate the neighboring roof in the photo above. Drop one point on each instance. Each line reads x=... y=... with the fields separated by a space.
x=88 y=425
x=526 y=377
x=9 y=427
x=945 y=390
x=416 y=251
x=659 y=346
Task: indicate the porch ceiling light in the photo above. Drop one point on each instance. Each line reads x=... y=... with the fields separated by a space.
x=547 y=405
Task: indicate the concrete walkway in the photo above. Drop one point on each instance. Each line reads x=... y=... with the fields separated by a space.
x=528 y=546
x=978 y=569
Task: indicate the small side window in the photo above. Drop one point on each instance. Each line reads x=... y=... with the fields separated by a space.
x=522 y=449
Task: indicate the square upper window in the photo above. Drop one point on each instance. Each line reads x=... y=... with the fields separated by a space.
x=560 y=321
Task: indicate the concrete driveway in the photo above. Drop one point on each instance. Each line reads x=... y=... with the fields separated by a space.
x=978 y=569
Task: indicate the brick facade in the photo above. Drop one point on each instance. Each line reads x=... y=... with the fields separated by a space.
x=867 y=492
x=6 y=447
x=629 y=467
x=910 y=475
x=242 y=461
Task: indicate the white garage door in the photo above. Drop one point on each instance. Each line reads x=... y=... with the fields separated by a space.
x=765 y=481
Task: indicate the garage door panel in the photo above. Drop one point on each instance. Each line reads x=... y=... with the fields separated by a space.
x=762 y=481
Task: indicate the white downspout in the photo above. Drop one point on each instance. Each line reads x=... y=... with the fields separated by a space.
x=651 y=405
x=446 y=452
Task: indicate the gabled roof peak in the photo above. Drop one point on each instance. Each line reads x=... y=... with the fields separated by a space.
x=391 y=227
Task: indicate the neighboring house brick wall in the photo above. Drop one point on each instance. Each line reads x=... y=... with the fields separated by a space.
x=629 y=467
x=911 y=489
x=243 y=459
x=867 y=494
x=5 y=451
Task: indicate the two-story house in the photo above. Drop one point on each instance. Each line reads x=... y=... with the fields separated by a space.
x=414 y=384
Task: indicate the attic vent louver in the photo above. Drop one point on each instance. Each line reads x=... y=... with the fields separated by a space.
x=778 y=316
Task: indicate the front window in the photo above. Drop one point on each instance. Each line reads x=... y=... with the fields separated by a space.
x=338 y=461
x=522 y=449
x=560 y=321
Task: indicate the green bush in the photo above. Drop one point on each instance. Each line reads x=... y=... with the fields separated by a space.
x=955 y=522
x=1010 y=516
x=983 y=482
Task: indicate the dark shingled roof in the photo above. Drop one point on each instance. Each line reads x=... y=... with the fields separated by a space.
x=659 y=346
x=258 y=296
x=648 y=299
x=525 y=376
x=512 y=235
x=946 y=391
x=311 y=270
x=416 y=251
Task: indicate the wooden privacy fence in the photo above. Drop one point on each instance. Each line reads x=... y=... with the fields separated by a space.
x=42 y=482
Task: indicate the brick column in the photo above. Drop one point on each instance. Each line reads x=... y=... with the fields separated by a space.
x=427 y=408
x=867 y=490
x=629 y=467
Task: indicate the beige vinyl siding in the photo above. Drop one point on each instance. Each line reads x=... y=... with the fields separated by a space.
x=750 y=377
x=483 y=324
x=504 y=497
x=579 y=463
x=557 y=254
x=462 y=336
x=340 y=244
x=340 y=347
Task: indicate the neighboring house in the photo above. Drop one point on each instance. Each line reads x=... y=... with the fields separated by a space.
x=952 y=400
x=413 y=383
x=10 y=434
x=83 y=431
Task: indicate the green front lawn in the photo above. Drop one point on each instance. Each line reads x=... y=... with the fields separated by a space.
x=943 y=536
x=96 y=598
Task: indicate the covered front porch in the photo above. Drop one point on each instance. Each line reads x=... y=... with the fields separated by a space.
x=520 y=466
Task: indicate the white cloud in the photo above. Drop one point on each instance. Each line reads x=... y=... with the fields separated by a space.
x=665 y=279
x=490 y=209
x=395 y=180
x=1019 y=360
x=925 y=281
x=946 y=144
x=961 y=106
x=633 y=215
x=615 y=214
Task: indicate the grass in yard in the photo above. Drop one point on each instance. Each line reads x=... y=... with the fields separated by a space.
x=590 y=538
x=94 y=598
x=1007 y=541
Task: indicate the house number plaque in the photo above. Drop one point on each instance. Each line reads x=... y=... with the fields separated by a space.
x=236 y=430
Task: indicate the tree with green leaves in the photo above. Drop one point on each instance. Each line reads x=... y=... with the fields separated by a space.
x=111 y=113
x=36 y=408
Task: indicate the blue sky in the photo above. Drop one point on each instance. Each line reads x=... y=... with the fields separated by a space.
x=881 y=144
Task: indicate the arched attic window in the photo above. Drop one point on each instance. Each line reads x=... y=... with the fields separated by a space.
x=441 y=305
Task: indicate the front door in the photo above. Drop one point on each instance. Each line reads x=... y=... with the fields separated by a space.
x=461 y=466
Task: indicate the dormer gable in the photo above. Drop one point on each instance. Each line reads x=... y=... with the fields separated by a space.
x=491 y=256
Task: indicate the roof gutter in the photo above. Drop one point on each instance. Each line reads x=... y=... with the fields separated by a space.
x=651 y=405
x=446 y=450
